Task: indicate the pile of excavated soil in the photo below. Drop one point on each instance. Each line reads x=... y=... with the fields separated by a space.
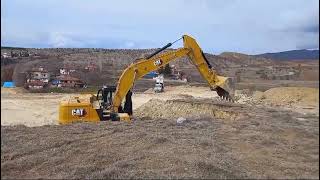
x=191 y=107
x=187 y=90
x=289 y=96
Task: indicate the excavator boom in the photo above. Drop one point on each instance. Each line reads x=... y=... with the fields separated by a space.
x=223 y=85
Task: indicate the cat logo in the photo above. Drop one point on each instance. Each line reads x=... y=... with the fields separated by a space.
x=78 y=112
x=158 y=62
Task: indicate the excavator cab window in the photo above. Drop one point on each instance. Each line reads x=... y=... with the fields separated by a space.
x=106 y=96
x=107 y=93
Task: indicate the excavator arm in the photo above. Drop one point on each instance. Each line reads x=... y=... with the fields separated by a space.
x=223 y=85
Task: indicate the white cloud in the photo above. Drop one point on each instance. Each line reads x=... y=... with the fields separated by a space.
x=59 y=40
x=248 y=26
x=129 y=44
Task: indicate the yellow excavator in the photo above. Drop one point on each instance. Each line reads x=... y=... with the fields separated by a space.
x=114 y=102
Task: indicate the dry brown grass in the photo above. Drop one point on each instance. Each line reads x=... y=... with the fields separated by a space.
x=263 y=143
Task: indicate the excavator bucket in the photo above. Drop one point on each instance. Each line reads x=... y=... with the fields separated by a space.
x=225 y=88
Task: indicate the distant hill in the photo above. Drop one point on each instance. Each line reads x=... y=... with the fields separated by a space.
x=292 y=55
x=244 y=59
x=7 y=47
x=234 y=55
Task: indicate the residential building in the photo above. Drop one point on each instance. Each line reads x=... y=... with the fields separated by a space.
x=67 y=81
x=37 y=78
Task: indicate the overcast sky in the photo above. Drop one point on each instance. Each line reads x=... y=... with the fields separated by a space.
x=247 y=26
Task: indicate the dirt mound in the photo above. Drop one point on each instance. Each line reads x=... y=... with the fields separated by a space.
x=290 y=96
x=195 y=108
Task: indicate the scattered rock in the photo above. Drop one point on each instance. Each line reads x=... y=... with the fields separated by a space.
x=181 y=120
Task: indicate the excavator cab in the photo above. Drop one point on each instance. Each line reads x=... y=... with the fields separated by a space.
x=105 y=96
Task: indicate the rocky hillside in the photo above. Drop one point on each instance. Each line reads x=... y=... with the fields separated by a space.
x=110 y=63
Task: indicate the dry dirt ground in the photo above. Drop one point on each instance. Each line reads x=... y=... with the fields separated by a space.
x=251 y=138
x=37 y=109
